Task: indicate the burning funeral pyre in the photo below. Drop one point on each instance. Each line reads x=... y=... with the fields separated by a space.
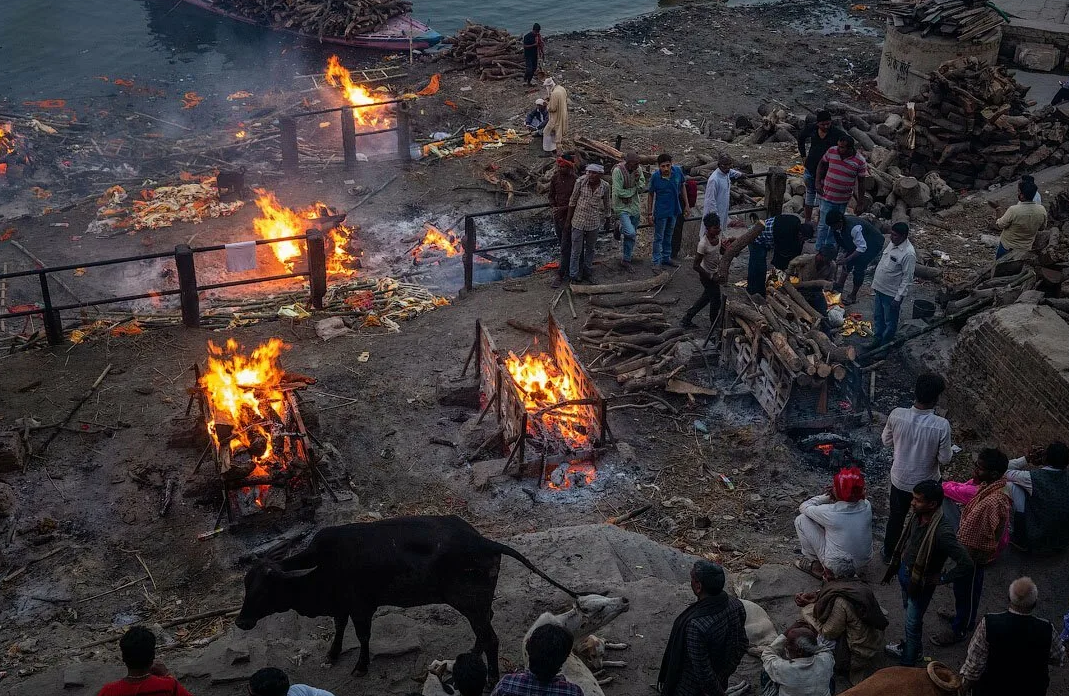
x=551 y=414
x=279 y=222
x=259 y=439
x=369 y=118
x=436 y=245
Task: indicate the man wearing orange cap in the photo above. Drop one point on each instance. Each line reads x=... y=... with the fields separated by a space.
x=835 y=528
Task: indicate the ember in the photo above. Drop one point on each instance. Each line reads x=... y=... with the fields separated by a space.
x=570 y=475
x=7 y=140
x=543 y=386
x=278 y=222
x=357 y=95
x=446 y=242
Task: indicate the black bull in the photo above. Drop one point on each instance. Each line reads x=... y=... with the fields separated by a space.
x=348 y=572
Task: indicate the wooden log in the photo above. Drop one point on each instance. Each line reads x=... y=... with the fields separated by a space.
x=631 y=286
x=746 y=312
x=915 y=193
x=801 y=304
x=626 y=326
x=643 y=383
x=832 y=352
x=862 y=138
x=941 y=194
x=838 y=372
x=785 y=352
x=526 y=328
x=633 y=364
x=624 y=301
x=823 y=370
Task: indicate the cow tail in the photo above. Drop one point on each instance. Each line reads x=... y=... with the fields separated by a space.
x=509 y=551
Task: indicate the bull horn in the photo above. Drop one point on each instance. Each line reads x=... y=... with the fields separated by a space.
x=294 y=574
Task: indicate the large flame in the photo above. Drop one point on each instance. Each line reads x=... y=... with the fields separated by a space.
x=240 y=390
x=436 y=239
x=278 y=222
x=542 y=385
x=7 y=140
x=357 y=95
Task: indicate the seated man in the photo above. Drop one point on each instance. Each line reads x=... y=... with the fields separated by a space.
x=538 y=117
x=835 y=528
x=846 y=611
x=1041 y=499
x=271 y=681
x=144 y=676
x=547 y=649
x=814 y=273
x=797 y=663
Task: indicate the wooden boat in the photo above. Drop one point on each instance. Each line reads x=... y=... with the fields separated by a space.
x=400 y=33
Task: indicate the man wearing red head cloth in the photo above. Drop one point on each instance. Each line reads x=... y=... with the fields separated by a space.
x=835 y=528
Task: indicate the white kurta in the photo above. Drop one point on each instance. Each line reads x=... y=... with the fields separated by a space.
x=718 y=195
x=836 y=533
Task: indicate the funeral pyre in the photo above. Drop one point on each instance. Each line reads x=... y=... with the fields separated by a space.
x=261 y=446
x=368 y=118
x=279 y=222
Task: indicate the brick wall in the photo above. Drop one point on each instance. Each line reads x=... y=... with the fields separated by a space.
x=1009 y=377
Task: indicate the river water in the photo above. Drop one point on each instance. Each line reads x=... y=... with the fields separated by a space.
x=64 y=49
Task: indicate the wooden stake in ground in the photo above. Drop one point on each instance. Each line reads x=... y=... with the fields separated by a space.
x=70 y=414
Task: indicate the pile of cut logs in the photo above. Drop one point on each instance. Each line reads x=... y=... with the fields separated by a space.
x=495 y=52
x=636 y=331
x=786 y=329
x=971 y=125
x=339 y=18
x=968 y=20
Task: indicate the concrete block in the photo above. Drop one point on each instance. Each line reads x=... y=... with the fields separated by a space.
x=1036 y=56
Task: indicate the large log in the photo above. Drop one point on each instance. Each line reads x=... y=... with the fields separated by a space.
x=751 y=315
x=832 y=352
x=627 y=326
x=915 y=193
x=599 y=301
x=800 y=304
x=942 y=195
x=631 y=286
x=785 y=353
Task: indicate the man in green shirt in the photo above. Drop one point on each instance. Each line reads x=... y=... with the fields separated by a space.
x=628 y=181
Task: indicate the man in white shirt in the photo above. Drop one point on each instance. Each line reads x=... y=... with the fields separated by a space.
x=921 y=442
x=271 y=681
x=894 y=275
x=835 y=529
x=797 y=663
x=718 y=191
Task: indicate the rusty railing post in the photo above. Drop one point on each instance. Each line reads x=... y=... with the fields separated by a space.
x=404 y=132
x=469 y=253
x=316 y=252
x=53 y=322
x=348 y=137
x=775 y=190
x=288 y=134
x=187 y=285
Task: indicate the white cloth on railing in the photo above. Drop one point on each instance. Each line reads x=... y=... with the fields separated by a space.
x=241 y=256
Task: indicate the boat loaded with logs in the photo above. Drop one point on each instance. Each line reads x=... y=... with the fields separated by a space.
x=372 y=24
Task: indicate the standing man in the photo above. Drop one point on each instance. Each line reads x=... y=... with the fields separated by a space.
x=835 y=528
x=533 y=49
x=589 y=210
x=547 y=649
x=718 y=191
x=557 y=126
x=1041 y=500
x=707 y=263
x=628 y=183
x=784 y=235
x=690 y=187
x=921 y=442
x=984 y=520
x=666 y=201
x=890 y=283
x=707 y=641
x=860 y=243
x=814 y=273
x=1021 y=221
x=840 y=175
x=926 y=544
x=822 y=135
x=1011 y=650
x=144 y=676
x=561 y=186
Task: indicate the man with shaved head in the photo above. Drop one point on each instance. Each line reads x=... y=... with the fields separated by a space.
x=797 y=663
x=707 y=641
x=1010 y=651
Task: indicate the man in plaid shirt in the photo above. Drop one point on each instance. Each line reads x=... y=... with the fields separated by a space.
x=983 y=522
x=547 y=649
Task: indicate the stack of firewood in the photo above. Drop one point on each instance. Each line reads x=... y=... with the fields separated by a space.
x=967 y=20
x=638 y=334
x=338 y=18
x=971 y=125
x=785 y=328
x=495 y=52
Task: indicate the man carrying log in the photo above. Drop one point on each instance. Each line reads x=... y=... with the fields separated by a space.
x=860 y=243
x=784 y=235
x=814 y=273
x=707 y=263
x=533 y=49
x=840 y=176
x=557 y=126
x=561 y=186
x=1022 y=221
x=589 y=210
x=822 y=135
x=890 y=283
x=628 y=183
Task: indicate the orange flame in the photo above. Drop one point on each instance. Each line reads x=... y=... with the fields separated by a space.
x=357 y=95
x=826 y=449
x=543 y=385
x=564 y=476
x=7 y=140
x=240 y=388
x=436 y=239
x=278 y=222
x=240 y=134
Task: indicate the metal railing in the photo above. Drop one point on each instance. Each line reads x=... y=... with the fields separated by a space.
x=776 y=184
x=287 y=126
x=188 y=290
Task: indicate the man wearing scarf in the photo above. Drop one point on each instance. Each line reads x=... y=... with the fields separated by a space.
x=846 y=611
x=983 y=522
x=628 y=181
x=926 y=543
x=707 y=641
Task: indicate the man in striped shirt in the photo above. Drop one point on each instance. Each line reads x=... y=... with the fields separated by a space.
x=841 y=173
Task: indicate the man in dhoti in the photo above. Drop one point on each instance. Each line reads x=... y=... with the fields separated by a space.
x=557 y=105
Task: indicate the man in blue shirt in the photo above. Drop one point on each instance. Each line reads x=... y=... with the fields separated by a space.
x=666 y=201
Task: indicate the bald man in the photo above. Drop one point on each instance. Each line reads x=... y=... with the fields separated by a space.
x=708 y=639
x=1010 y=651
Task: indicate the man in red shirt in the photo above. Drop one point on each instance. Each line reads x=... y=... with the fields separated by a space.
x=144 y=676
x=840 y=175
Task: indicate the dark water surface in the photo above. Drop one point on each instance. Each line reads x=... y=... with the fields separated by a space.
x=63 y=49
